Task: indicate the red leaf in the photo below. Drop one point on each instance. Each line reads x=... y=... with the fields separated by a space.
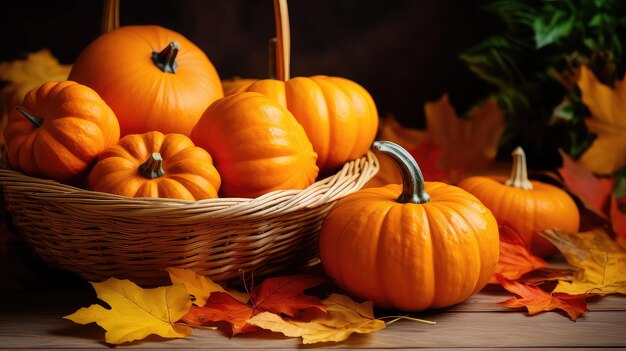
x=427 y=155
x=277 y=295
x=286 y=295
x=543 y=275
x=515 y=259
x=594 y=192
x=536 y=300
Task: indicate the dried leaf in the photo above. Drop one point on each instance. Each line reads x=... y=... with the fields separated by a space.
x=38 y=67
x=537 y=300
x=515 y=259
x=592 y=191
x=450 y=147
x=135 y=312
x=197 y=285
x=543 y=275
x=343 y=317
x=277 y=295
x=600 y=261
x=607 y=153
x=618 y=222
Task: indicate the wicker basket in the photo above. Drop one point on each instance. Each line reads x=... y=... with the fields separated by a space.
x=98 y=235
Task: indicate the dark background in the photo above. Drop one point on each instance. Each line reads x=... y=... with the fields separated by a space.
x=403 y=52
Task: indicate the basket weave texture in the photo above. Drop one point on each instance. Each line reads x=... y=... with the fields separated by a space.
x=99 y=235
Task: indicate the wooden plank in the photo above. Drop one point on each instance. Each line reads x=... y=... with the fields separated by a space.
x=454 y=330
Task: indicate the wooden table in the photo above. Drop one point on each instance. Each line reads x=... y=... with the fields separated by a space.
x=32 y=304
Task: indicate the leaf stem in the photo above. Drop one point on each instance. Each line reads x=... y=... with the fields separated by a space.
x=397 y=318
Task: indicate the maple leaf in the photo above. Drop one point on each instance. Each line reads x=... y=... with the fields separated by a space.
x=515 y=259
x=135 y=312
x=600 y=261
x=276 y=295
x=618 y=222
x=537 y=300
x=542 y=275
x=199 y=286
x=449 y=148
x=38 y=67
x=343 y=317
x=607 y=153
x=592 y=191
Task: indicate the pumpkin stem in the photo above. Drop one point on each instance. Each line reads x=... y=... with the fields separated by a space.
x=519 y=173
x=412 y=178
x=37 y=122
x=166 y=59
x=153 y=167
x=283 y=39
x=110 y=16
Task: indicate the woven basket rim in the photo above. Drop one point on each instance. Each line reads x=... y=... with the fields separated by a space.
x=352 y=176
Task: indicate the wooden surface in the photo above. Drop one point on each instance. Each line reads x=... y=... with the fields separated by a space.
x=33 y=301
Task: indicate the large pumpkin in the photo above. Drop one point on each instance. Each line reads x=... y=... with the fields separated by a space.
x=411 y=247
x=156 y=165
x=152 y=77
x=528 y=206
x=258 y=146
x=58 y=131
x=338 y=115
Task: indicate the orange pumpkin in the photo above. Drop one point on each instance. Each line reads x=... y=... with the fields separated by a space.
x=152 y=77
x=413 y=246
x=338 y=115
x=527 y=206
x=58 y=131
x=258 y=146
x=156 y=165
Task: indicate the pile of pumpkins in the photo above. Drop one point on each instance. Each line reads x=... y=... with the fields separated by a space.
x=412 y=246
x=180 y=137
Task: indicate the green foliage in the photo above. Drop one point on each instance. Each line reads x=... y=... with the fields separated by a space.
x=532 y=66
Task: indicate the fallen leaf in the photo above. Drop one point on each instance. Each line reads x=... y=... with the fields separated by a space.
x=618 y=222
x=543 y=275
x=342 y=318
x=515 y=259
x=592 y=191
x=607 y=153
x=536 y=300
x=450 y=148
x=600 y=261
x=135 y=312
x=200 y=287
x=282 y=295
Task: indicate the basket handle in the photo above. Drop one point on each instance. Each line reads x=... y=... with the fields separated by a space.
x=110 y=16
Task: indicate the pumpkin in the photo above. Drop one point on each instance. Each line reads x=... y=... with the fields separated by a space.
x=58 y=131
x=152 y=77
x=156 y=165
x=527 y=206
x=339 y=116
x=258 y=146
x=413 y=246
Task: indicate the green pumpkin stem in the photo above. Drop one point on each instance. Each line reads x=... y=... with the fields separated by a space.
x=412 y=178
x=153 y=167
x=519 y=172
x=37 y=122
x=166 y=59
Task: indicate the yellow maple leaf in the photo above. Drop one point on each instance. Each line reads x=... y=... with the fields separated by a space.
x=135 y=312
x=607 y=153
x=38 y=67
x=342 y=318
x=600 y=261
x=200 y=286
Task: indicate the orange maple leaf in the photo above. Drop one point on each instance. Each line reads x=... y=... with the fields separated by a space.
x=537 y=300
x=618 y=221
x=607 y=104
x=282 y=295
x=515 y=259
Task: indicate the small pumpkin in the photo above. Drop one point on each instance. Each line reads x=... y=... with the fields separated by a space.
x=339 y=116
x=258 y=146
x=152 y=77
x=156 y=165
x=527 y=206
x=58 y=131
x=413 y=246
